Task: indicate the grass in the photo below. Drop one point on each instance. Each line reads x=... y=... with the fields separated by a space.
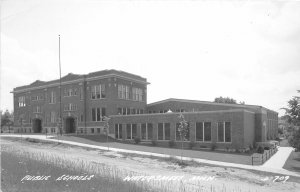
x=17 y=165
x=293 y=162
x=99 y=140
x=107 y=178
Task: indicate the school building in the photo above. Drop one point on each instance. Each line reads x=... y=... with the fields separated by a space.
x=77 y=104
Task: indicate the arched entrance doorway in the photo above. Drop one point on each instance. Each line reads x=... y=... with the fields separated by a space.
x=37 y=125
x=70 y=125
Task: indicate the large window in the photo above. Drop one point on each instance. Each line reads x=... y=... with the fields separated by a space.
x=207 y=131
x=199 y=131
x=150 y=131
x=128 y=131
x=134 y=131
x=80 y=93
x=98 y=91
x=167 y=130
x=118 y=131
x=70 y=107
x=22 y=101
x=164 y=130
x=98 y=114
x=137 y=94
x=123 y=91
x=53 y=117
x=224 y=132
x=160 y=131
x=52 y=97
x=37 y=109
x=144 y=131
x=68 y=92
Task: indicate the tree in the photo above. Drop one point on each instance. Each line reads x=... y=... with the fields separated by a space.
x=6 y=119
x=294 y=140
x=106 y=129
x=183 y=130
x=292 y=113
x=225 y=100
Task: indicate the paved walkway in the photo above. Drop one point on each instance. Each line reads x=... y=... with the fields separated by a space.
x=218 y=163
x=278 y=159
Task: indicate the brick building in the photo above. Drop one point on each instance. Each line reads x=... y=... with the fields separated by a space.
x=86 y=99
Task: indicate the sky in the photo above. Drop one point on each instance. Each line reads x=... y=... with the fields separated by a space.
x=198 y=50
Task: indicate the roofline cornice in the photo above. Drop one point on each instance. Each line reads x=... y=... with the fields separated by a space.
x=79 y=80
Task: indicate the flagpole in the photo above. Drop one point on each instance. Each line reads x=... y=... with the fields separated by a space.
x=60 y=118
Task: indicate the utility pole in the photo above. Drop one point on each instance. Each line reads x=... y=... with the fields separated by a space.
x=60 y=113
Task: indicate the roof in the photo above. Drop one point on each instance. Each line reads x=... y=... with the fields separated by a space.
x=206 y=102
x=77 y=77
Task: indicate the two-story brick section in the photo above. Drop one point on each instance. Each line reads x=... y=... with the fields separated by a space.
x=86 y=99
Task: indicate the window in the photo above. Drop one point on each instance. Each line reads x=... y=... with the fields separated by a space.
x=98 y=114
x=92 y=130
x=70 y=107
x=134 y=131
x=34 y=98
x=221 y=131
x=98 y=130
x=199 y=131
x=22 y=101
x=68 y=92
x=128 y=131
x=118 y=131
x=207 y=131
x=144 y=131
x=80 y=93
x=150 y=131
x=123 y=92
x=52 y=117
x=119 y=111
x=137 y=94
x=224 y=132
x=37 y=109
x=98 y=91
x=52 y=97
x=164 y=131
x=160 y=131
x=167 y=131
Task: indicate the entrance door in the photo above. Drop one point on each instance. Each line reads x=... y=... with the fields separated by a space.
x=37 y=125
x=70 y=125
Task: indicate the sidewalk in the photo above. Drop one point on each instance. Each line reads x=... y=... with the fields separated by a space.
x=268 y=168
x=278 y=159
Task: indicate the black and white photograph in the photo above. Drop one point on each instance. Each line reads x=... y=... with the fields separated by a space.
x=150 y=95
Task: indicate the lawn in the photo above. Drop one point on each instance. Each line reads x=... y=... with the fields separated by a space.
x=100 y=140
x=14 y=167
x=293 y=162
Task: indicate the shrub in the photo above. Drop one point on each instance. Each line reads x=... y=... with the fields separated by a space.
x=260 y=150
x=237 y=150
x=154 y=143
x=192 y=144
x=137 y=140
x=171 y=143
